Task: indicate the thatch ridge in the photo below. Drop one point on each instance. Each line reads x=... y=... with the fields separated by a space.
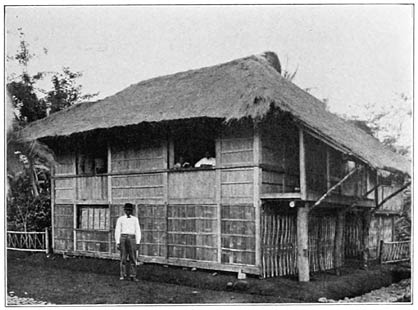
x=246 y=87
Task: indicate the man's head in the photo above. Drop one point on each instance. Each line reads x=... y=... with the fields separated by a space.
x=129 y=208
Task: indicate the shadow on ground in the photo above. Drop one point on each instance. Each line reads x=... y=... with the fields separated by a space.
x=353 y=281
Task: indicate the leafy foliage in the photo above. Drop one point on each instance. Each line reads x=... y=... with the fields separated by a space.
x=28 y=162
x=66 y=91
x=24 y=210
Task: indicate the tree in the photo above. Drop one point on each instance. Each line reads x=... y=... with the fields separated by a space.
x=388 y=123
x=28 y=162
x=66 y=91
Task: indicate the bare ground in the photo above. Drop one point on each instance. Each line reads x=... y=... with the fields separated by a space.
x=95 y=281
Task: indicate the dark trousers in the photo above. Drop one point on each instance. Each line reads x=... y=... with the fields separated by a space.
x=127 y=248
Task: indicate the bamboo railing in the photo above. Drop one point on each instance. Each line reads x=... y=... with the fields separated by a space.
x=28 y=241
x=396 y=251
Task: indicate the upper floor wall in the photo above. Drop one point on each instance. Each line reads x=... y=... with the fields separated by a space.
x=251 y=161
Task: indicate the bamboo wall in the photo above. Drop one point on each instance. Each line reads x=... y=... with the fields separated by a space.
x=279 y=248
x=322 y=228
x=353 y=235
x=279 y=157
x=188 y=215
x=381 y=228
x=325 y=167
x=63 y=227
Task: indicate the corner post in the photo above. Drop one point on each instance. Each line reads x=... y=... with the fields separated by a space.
x=302 y=218
x=256 y=194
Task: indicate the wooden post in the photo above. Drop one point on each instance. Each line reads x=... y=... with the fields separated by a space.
x=109 y=171
x=256 y=195
x=46 y=240
x=365 y=239
x=302 y=166
x=109 y=192
x=169 y=158
x=74 y=227
x=328 y=170
x=52 y=205
x=381 y=251
x=339 y=242
x=302 y=242
x=218 y=199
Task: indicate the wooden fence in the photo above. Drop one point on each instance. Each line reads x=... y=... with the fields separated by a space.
x=28 y=241
x=396 y=251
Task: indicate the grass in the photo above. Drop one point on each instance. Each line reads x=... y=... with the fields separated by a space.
x=80 y=280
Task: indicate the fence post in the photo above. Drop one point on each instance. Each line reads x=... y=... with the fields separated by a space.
x=46 y=240
x=381 y=251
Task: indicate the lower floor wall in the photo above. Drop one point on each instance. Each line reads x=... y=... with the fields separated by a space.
x=205 y=236
x=221 y=238
x=381 y=227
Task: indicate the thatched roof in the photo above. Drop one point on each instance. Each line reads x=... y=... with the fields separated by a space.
x=247 y=87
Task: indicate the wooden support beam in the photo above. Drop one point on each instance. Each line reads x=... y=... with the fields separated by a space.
x=302 y=242
x=302 y=165
x=391 y=196
x=335 y=186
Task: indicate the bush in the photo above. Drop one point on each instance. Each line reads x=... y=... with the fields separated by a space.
x=25 y=212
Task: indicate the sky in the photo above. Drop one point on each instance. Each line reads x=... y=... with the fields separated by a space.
x=351 y=55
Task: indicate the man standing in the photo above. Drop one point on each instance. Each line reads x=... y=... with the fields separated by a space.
x=128 y=237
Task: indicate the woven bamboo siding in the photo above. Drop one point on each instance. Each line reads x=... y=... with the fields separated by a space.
x=192 y=232
x=236 y=151
x=321 y=241
x=144 y=188
x=64 y=190
x=136 y=158
x=63 y=230
x=238 y=234
x=92 y=188
x=237 y=186
x=65 y=164
x=353 y=235
x=152 y=219
x=381 y=228
x=278 y=233
x=191 y=187
x=92 y=241
x=115 y=212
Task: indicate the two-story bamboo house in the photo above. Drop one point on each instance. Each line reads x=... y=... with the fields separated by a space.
x=291 y=184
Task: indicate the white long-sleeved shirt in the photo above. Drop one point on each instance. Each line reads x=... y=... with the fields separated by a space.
x=125 y=225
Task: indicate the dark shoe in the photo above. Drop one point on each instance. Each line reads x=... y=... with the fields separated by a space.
x=134 y=279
